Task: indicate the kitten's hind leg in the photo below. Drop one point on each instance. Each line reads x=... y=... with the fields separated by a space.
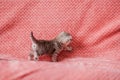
x=36 y=56
x=30 y=57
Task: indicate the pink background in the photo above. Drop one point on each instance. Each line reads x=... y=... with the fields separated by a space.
x=94 y=25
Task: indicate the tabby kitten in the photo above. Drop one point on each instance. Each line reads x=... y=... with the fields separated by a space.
x=50 y=47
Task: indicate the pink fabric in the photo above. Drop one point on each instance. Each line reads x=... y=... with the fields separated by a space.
x=94 y=25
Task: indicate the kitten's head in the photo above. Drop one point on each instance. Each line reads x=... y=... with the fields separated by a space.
x=64 y=38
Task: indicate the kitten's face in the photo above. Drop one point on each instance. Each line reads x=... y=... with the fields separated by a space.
x=68 y=41
x=64 y=38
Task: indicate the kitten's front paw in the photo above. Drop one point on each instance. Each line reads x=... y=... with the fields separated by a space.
x=54 y=58
x=69 y=48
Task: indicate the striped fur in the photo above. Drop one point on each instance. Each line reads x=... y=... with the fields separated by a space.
x=50 y=47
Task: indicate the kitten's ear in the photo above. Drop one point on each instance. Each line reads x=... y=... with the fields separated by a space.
x=63 y=32
x=34 y=40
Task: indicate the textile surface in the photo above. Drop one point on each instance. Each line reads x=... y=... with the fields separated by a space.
x=94 y=25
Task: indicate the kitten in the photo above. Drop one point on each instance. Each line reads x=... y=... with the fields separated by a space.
x=51 y=47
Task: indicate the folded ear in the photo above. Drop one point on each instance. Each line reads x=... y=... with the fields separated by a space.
x=63 y=32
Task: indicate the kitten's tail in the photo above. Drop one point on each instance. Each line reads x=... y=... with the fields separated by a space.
x=34 y=40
